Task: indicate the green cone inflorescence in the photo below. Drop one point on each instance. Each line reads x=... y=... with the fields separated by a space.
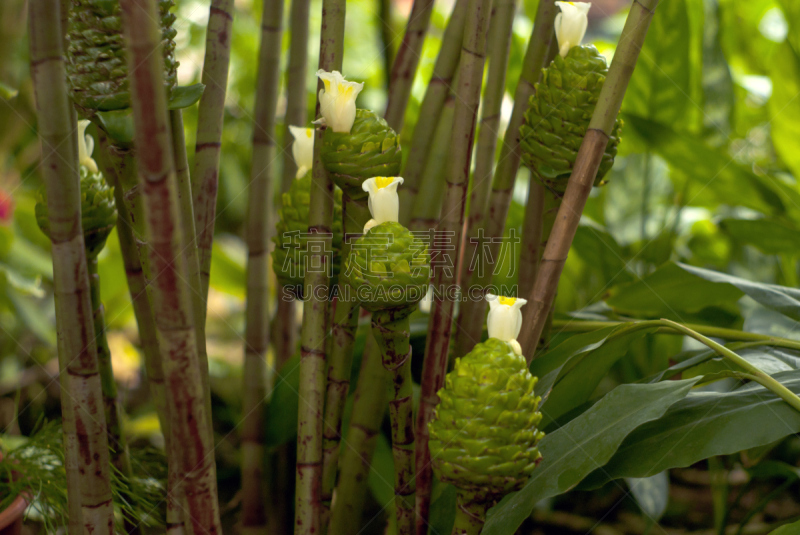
x=96 y=65
x=483 y=436
x=292 y=238
x=371 y=149
x=98 y=212
x=558 y=116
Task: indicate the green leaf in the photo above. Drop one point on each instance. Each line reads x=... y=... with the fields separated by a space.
x=118 y=124
x=651 y=494
x=671 y=292
x=575 y=386
x=784 y=106
x=787 y=529
x=443 y=511
x=583 y=445
x=7 y=92
x=701 y=425
x=659 y=87
x=281 y=413
x=381 y=473
x=711 y=174
x=784 y=300
x=601 y=251
x=184 y=96
x=768 y=236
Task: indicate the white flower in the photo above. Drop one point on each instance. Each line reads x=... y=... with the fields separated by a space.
x=571 y=24
x=383 y=202
x=337 y=101
x=505 y=319
x=302 y=148
x=426 y=302
x=85 y=147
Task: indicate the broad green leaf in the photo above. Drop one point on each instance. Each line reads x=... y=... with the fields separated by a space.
x=784 y=106
x=717 y=80
x=600 y=250
x=781 y=298
x=583 y=445
x=651 y=494
x=118 y=124
x=660 y=86
x=281 y=417
x=671 y=292
x=443 y=511
x=575 y=386
x=714 y=178
x=768 y=236
x=701 y=425
x=381 y=474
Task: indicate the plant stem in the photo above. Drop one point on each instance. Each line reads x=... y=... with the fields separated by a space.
x=369 y=406
x=583 y=173
x=190 y=254
x=759 y=376
x=108 y=385
x=473 y=311
x=392 y=330
x=438 y=88
x=406 y=62
x=210 y=114
x=170 y=291
x=470 y=514
x=316 y=311
x=468 y=93
x=257 y=229
x=340 y=360
x=428 y=205
x=296 y=91
x=83 y=423
x=384 y=21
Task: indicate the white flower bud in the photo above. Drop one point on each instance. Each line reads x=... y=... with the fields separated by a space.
x=384 y=205
x=570 y=24
x=85 y=147
x=302 y=149
x=505 y=319
x=427 y=301
x=337 y=101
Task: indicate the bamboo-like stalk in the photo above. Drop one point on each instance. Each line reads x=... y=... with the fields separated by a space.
x=345 y=324
x=383 y=16
x=83 y=423
x=210 y=114
x=257 y=229
x=473 y=311
x=369 y=407
x=467 y=93
x=170 y=288
x=406 y=62
x=499 y=44
x=316 y=310
x=584 y=172
x=425 y=215
x=296 y=91
x=439 y=86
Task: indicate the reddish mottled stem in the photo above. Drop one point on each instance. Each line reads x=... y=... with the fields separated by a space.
x=405 y=63
x=473 y=311
x=316 y=310
x=84 y=425
x=171 y=289
x=439 y=87
x=210 y=114
x=468 y=92
x=583 y=174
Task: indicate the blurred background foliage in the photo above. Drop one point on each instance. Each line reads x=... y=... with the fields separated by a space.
x=706 y=176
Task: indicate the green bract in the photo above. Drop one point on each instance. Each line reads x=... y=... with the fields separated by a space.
x=96 y=64
x=483 y=434
x=370 y=149
x=292 y=241
x=558 y=116
x=388 y=268
x=98 y=212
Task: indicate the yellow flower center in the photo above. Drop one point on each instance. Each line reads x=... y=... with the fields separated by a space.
x=383 y=181
x=327 y=84
x=346 y=90
x=308 y=132
x=503 y=300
